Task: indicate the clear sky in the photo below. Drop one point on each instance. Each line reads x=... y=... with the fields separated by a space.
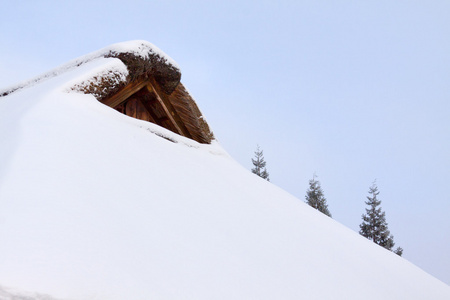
x=350 y=90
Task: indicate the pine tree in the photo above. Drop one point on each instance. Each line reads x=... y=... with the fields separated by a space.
x=260 y=164
x=399 y=251
x=374 y=225
x=315 y=198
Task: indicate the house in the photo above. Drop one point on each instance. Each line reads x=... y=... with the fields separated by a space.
x=149 y=89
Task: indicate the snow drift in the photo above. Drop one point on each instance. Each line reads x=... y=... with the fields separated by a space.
x=97 y=205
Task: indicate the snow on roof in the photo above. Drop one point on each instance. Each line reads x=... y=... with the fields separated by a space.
x=138 y=70
x=14 y=294
x=93 y=205
x=138 y=48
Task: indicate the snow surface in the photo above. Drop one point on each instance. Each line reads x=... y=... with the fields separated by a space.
x=12 y=294
x=138 y=47
x=97 y=205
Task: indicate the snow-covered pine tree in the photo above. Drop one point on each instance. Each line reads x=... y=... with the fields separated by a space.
x=399 y=251
x=374 y=225
x=315 y=198
x=260 y=164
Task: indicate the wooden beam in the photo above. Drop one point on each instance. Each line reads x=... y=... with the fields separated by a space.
x=169 y=112
x=124 y=93
x=153 y=116
x=169 y=109
x=152 y=87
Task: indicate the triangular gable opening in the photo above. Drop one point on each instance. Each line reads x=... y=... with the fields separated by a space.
x=150 y=90
x=143 y=100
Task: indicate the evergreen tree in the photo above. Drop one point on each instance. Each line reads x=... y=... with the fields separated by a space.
x=374 y=225
x=260 y=164
x=315 y=198
x=399 y=251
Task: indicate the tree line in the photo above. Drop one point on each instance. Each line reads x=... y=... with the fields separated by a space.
x=373 y=226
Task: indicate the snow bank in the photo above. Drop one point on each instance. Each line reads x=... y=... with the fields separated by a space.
x=97 y=205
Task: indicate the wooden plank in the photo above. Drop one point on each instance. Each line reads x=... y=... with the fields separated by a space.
x=124 y=93
x=141 y=112
x=164 y=105
x=153 y=117
x=174 y=123
x=148 y=114
x=131 y=108
x=148 y=100
x=135 y=108
x=169 y=109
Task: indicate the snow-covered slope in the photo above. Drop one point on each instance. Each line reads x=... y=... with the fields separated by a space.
x=97 y=205
x=139 y=49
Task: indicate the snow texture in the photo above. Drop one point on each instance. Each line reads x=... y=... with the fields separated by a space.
x=12 y=294
x=139 y=48
x=96 y=205
x=113 y=73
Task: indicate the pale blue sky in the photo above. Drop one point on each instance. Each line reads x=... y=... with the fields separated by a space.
x=351 y=90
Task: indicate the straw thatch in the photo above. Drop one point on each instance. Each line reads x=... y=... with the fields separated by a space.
x=161 y=98
x=150 y=91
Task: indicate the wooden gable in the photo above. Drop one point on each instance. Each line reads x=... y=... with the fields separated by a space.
x=145 y=100
x=150 y=90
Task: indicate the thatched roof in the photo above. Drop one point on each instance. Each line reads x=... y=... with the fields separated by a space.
x=150 y=89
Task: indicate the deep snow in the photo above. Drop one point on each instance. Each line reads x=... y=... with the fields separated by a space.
x=138 y=48
x=96 y=205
